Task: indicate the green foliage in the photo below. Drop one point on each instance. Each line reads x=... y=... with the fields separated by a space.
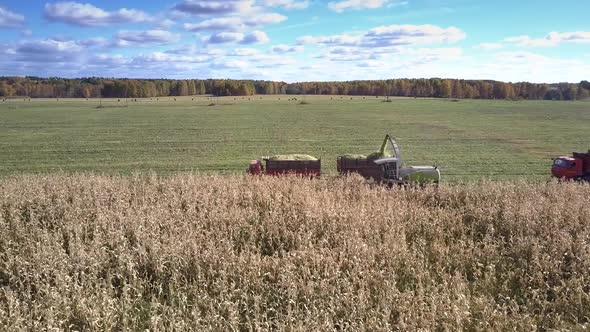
x=553 y=94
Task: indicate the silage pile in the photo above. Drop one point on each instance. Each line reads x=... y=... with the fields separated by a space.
x=289 y=157
x=382 y=153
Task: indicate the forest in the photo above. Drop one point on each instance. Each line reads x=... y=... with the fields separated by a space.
x=93 y=87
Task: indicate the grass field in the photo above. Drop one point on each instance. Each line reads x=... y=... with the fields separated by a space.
x=469 y=139
x=237 y=253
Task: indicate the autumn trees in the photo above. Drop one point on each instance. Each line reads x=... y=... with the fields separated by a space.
x=147 y=88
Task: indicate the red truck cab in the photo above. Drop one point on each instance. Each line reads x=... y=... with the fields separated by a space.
x=576 y=167
x=256 y=168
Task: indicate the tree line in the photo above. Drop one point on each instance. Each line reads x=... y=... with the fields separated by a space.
x=93 y=87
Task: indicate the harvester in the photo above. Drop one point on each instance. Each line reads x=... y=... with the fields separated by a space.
x=576 y=167
x=388 y=167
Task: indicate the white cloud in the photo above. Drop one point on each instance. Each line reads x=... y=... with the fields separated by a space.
x=213 y=7
x=490 y=46
x=282 y=49
x=166 y=58
x=346 y=50
x=49 y=50
x=527 y=66
x=523 y=57
x=235 y=23
x=429 y=55
x=370 y=64
x=73 y=58
x=341 y=53
x=108 y=60
x=340 y=6
x=272 y=61
x=186 y=49
x=216 y=52
x=256 y=37
x=350 y=57
x=551 y=39
x=575 y=37
x=48 y=46
x=343 y=39
x=165 y=24
x=52 y=50
x=529 y=42
x=220 y=24
x=225 y=37
x=192 y=50
x=390 y=36
x=264 y=19
x=350 y=63
x=10 y=19
x=412 y=34
x=94 y=42
x=229 y=64
x=287 y=4
x=126 y=37
x=83 y=14
x=244 y=52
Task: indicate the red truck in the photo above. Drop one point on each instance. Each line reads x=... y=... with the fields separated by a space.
x=576 y=167
x=277 y=166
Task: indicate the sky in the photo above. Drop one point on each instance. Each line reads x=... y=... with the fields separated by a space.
x=297 y=40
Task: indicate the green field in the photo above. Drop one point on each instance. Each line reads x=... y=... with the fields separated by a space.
x=468 y=139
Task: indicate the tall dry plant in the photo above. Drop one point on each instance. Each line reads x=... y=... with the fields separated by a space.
x=195 y=252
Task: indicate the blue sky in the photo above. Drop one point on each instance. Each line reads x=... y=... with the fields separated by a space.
x=297 y=40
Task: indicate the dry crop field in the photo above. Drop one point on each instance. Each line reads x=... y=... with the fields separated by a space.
x=468 y=139
x=100 y=253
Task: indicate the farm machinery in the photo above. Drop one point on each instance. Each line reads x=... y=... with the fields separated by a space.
x=387 y=167
x=576 y=167
x=297 y=164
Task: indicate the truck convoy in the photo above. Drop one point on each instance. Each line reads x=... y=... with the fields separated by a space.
x=384 y=166
x=388 y=166
x=576 y=167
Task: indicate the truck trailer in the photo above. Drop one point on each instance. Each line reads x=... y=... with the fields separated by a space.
x=304 y=165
